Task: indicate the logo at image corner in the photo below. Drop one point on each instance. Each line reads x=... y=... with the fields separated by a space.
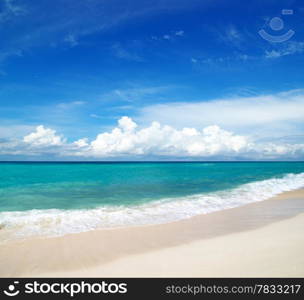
x=11 y=290
x=276 y=24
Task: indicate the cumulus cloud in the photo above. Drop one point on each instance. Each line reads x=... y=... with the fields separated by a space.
x=43 y=137
x=156 y=139
x=128 y=140
x=81 y=143
x=127 y=124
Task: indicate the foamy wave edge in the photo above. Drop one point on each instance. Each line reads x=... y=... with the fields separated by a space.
x=55 y=222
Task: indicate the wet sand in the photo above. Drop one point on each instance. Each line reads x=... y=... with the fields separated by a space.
x=259 y=239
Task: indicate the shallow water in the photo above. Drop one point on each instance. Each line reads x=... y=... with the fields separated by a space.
x=59 y=198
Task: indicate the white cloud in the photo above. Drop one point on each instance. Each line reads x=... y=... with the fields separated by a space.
x=255 y=127
x=289 y=48
x=86 y=18
x=43 y=137
x=10 y=10
x=169 y=36
x=180 y=33
x=272 y=54
x=232 y=33
x=9 y=130
x=95 y=116
x=70 y=105
x=127 y=124
x=223 y=61
x=71 y=40
x=120 y=52
x=273 y=115
x=160 y=140
x=231 y=36
x=131 y=141
x=81 y=143
x=136 y=93
x=243 y=57
x=5 y=54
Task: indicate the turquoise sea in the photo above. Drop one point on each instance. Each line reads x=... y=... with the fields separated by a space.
x=59 y=198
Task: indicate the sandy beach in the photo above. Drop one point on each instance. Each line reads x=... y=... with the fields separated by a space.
x=262 y=239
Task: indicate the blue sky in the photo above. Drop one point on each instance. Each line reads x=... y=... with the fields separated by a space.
x=78 y=67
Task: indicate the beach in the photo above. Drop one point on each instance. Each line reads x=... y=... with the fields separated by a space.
x=260 y=239
x=151 y=139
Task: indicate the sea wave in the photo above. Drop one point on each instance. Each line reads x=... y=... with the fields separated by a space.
x=54 y=222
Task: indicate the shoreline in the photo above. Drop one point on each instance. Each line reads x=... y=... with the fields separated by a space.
x=168 y=249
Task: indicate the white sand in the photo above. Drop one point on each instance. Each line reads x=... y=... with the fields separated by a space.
x=257 y=240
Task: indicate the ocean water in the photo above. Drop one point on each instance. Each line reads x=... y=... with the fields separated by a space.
x=59 y=198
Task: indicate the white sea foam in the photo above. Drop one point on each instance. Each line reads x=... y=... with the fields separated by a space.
x=55 y=222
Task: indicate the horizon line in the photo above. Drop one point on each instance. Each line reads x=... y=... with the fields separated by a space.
x=148 y=161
